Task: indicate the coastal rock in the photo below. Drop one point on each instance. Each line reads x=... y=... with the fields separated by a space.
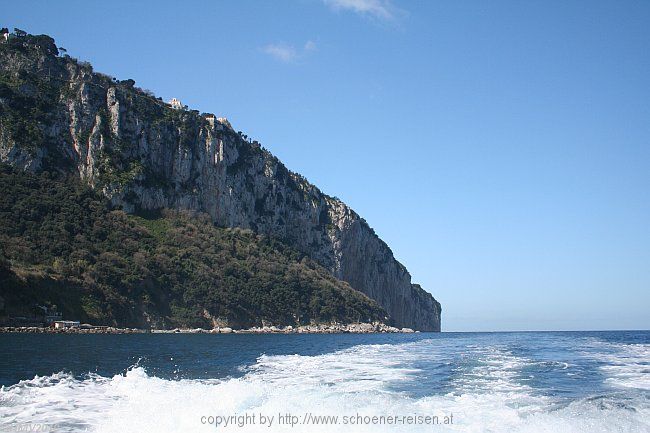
x=305 y=329
x=144 y=156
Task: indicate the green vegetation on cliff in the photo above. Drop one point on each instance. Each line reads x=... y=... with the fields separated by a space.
x=61 y=244
x=142 y=155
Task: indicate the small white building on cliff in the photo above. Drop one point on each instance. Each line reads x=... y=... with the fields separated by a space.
x=176 y=104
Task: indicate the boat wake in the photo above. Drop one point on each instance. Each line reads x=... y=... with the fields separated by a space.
x=485 y=388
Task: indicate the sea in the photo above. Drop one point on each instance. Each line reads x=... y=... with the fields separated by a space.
x=585 y=382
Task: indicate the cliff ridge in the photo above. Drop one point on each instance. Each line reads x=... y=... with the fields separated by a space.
x=143 y=155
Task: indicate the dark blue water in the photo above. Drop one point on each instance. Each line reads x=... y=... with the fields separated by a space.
x=202 y=356
x=527 y=381
x=169 y=356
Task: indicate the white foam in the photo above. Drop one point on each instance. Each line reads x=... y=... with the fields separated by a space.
x=488 y=396
x=625 y=365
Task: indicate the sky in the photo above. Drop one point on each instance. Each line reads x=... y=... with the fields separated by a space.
x=501 y=149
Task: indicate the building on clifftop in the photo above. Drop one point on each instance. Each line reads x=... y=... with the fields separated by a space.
x=176 y=104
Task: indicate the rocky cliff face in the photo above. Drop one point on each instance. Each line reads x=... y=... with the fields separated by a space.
x=57 y=114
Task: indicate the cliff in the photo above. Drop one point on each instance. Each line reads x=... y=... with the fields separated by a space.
x=143 y=155
x=62 y=244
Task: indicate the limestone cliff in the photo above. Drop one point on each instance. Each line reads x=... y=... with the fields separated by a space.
x=57 y=114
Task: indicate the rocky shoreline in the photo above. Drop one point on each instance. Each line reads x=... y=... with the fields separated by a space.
x=354 y=328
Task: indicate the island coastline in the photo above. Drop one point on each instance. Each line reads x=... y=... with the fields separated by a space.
x=355 y=328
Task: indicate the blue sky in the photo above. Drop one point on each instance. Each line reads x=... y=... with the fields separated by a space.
x=502 y=149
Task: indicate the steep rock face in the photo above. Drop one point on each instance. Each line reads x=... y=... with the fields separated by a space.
x=57 y=114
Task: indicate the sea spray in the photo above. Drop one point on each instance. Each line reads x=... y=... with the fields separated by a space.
x=535 y=382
